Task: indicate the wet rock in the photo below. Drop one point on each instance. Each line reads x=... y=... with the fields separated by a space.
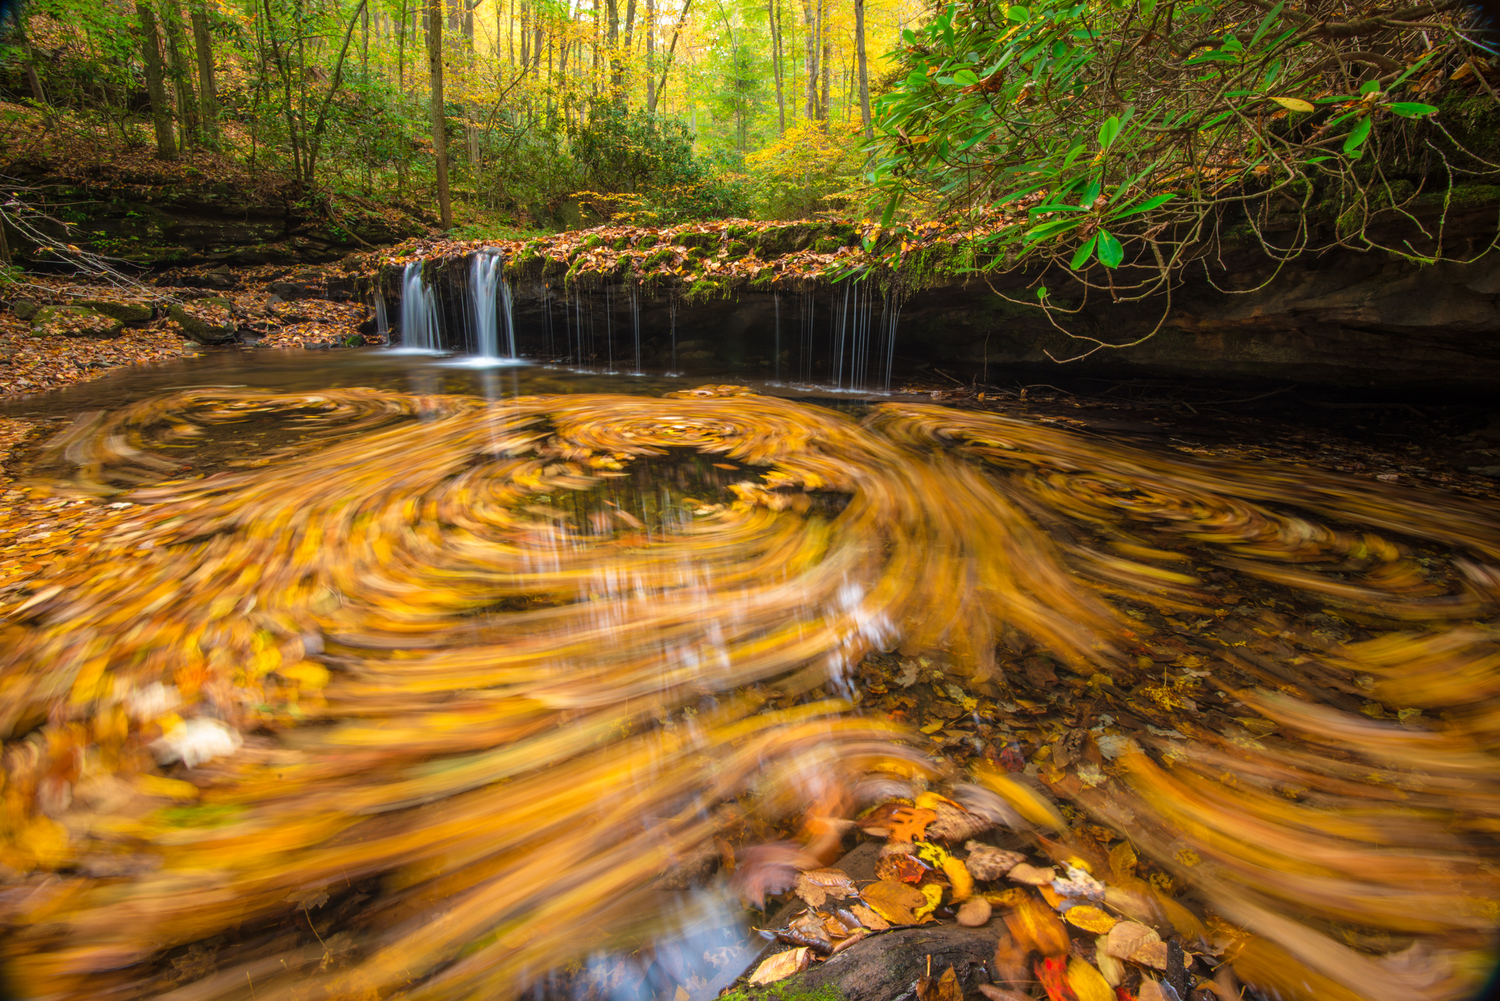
x=199 y=330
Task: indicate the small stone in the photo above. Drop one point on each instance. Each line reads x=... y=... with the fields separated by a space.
x=1032 y=875
x=24 y=309
x=975 y=912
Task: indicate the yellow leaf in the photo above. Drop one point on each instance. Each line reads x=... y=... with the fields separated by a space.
x=160 y=785
x=1293 y=104
x=1035 y=926
x=895 y=902
x=1090 y=919
x=934 y=895
x=1088 y=983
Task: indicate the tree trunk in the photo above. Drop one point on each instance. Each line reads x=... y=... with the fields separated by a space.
x=161 y=116
x=208 y=94
x=810 y=102
x=661 y=85
x=650 y=55
x=439 y=110
x=827 y=66
x=182 y=75
x=616 y=68
x=864 y=72
x=773 y=19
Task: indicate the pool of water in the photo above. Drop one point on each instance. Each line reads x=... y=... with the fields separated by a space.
x=390 y=671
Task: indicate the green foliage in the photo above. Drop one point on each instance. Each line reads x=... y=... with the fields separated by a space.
x=807 y=172
x=1096 y=134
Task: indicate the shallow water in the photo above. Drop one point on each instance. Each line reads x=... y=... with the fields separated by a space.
x=470 y=656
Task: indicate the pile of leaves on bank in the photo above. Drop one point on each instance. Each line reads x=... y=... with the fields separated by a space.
x=424 y=697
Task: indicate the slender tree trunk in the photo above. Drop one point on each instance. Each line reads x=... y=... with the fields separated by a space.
x=810 y=102
x=208 y=94
x=864 y=72
x=827 y=60
x=161 y=116
x=827 y=80
x=773 y=19
x=661 y=85
x=182 y=75
x=650 y=54
x=439 y=110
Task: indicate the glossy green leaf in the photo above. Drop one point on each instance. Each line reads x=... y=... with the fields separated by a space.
x=1412 y=109
x=1357 y=136
x=1081 y=255
x=1110 y=252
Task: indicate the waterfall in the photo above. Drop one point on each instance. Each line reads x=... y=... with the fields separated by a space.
x=382 y=322
x=484 y=281
x=419 y=316
x=506 y=304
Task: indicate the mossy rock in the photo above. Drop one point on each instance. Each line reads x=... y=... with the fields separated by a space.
x=653 y=261
x=646 y=240
x=780 y=240
x=695 y=254
x=829 y=245
x=73 y=321
x=696 y=240
x=589 y=242
x=621 y=243
x=125 y=312
x=737 y=249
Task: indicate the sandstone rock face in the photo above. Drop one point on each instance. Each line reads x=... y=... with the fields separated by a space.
x=1345 y=318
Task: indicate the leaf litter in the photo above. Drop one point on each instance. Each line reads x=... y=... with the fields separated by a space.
x=383 y=621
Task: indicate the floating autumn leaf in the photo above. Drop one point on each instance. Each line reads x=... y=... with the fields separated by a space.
x=1052 y=971
x=897 y=903
x=1126 y=937
x=817 y=885
x=909 y=823
x=781 y=966
x=1090 y=919
x=869 y=918
x=1109 y=966
x=1037 y=928
x=1088 y=983
x=901 y=869
x=1122 y=861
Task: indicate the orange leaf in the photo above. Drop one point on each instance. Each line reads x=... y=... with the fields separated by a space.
x=910 y=822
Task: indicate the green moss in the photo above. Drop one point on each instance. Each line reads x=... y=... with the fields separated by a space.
x=647 y=240
x=829 y=245
x=697 y=240
x=620 y=243
x=590 y=242
x=785 y=990
x=737 y=249
x=656 y=260
x=703 y=289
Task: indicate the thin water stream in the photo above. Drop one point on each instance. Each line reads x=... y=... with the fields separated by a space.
x=398 y=675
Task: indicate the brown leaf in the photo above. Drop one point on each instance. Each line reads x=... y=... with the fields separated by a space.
x=954 y=824
x=988 y=862
x=944 y=988
x=1128 y=936
x=781 y=966
x=816 y=885
x=869 y=918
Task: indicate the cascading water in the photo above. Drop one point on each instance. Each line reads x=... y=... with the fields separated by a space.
x=485 y=283
x=419 y=316
x=382 y=321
